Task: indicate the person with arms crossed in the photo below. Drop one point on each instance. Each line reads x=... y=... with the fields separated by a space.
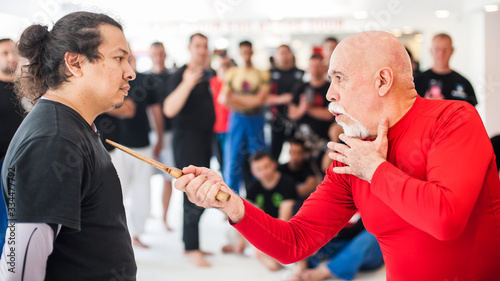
x=402 y=168
x=63 y=194
x=245 y=90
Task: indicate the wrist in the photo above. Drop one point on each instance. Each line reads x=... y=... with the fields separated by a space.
x=234 y=209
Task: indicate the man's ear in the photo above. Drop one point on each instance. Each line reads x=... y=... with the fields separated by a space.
x=384 y=80
x=73 y=62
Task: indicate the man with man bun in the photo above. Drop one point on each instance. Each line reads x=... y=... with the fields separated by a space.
x=63 y=195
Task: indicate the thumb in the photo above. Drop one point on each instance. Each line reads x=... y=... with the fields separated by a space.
x=383 y=128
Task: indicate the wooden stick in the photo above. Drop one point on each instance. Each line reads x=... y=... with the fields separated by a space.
x=174 y=172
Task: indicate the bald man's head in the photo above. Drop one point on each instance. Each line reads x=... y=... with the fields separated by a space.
x=370 y=51
x=371 y=74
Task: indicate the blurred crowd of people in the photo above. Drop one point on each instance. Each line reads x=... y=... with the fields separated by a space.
x=242 y=116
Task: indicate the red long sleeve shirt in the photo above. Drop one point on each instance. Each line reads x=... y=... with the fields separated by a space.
x=434 y=206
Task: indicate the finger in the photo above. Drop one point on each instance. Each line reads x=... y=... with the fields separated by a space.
x=342 y=148
x=348 y=140
x=343 y=170
x=182 y=182
x=211 y=194
x=202 y=192
x=338 y=157
x=193 y=186
x=383 y=128
x=191 y=170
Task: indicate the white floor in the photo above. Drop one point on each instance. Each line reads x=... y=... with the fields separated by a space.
x=165 y=261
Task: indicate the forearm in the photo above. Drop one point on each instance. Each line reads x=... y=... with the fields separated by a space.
x=158 y=120
x=307 y=187
x=25 y=256
x=295 y=112
x=287 y=242
x=174 y=103
x=320 y=113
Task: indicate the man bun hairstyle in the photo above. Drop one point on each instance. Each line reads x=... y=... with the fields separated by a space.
x=76 y=33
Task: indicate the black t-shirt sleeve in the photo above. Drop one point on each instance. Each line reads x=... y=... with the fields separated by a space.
x=47 y=179
x=471 y=95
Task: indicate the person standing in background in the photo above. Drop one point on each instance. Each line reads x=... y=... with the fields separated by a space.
x=160 y=75
x=11 y=113
x=221 y=111
x=245 y=91
x=134 y=133
x=309 y=109
x=284 y=78
x=329 y=45
x=442 y=82
x=189 y=103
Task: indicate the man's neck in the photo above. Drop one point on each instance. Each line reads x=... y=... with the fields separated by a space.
x=74 y=102
x=284 y=67
x=441 y=69
x=248 y=64
x=272 y=182
x=158 y=69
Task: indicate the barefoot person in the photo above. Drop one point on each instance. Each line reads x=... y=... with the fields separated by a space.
x=64 y=199
x=189 y=104
x=421 y=173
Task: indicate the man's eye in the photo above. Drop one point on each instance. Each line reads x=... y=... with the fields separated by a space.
x=339 y=78
x=119 y=58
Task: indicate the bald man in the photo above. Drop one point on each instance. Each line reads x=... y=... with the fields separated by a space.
x=421 y=173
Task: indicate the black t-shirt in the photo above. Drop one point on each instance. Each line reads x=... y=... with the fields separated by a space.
x=452 y=86
x=284 y=81
x=316 y=98
x=109 y=128
x=159 y=83
x=134 y=132
x=58 y=172
x=11 y=115
x=270 y=200
x=299 y=176
x=198 y=112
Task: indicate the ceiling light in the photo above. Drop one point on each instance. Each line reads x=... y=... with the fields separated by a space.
x=407 y=30
x=490 y=8
x=397 y=32
x=442 y=14
x=419 y=37
x=360 y=15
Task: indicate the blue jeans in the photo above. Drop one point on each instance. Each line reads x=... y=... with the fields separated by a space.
x=347 y=257
x=245 y=136
x=3 y=214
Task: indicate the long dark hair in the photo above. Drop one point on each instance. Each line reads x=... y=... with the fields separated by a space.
x=76 y=32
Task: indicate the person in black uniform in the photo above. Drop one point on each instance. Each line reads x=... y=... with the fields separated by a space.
x=442 y=82
x=285 y=77
x=189 y=104
x=64 y=199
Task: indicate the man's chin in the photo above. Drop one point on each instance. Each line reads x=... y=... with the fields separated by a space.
x=118 y=105
x=354 y=131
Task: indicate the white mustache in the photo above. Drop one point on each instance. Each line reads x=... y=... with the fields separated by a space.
x=334 y=108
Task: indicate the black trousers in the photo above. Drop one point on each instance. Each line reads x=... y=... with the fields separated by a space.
x=191 y=148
